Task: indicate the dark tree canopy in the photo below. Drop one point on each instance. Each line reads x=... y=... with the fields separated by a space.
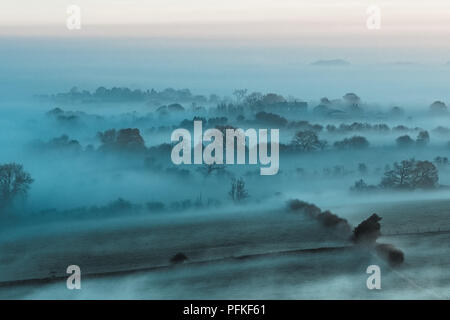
x=122 y=140
x=271 y=119
x=404 y=141
x=355 y=142
x=308 y=141
x=411 y=174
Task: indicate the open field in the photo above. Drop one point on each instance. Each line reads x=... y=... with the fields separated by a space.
x=251 y=255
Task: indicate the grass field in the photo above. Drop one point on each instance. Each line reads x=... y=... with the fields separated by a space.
x=131 y=259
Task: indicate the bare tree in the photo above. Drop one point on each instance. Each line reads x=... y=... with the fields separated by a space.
x=400 y=176
x=425 y=176
x=238 y=192
x=14 y=181
x=253 y=98
x=240 y=94
x=411 y=174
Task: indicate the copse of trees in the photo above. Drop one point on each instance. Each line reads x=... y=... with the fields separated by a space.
x=355 y=142
x=405 y=175
x=240 y=94
x=257 y=101
x=271 y=119
x=62 y=143
x=123 y=94
x=362 y=186
x=423 y=138
x=305 y=126
x=352 y=102
x=404 y=141
x=122 y=140
x=171 y=108
x=14 y=182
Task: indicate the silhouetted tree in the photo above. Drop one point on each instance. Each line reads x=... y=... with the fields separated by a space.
x=425 y=175
x=308 y=141
x=240 y=94
x=362 y=186
x=400 y=176
x=238 y=192
x=14 y=182
x=411 y=174
x=254 y=98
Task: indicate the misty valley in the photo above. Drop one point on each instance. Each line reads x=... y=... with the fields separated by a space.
x=172 y=194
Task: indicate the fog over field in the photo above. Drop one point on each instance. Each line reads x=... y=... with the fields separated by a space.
x=87 y=172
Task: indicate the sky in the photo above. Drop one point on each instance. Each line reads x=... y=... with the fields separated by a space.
x=214 y=46
x=327 y=16
x=412 y=12
x=408 y=24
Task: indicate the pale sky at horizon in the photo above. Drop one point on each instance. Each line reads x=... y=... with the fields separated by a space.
x=398 y=13
x=328 y=23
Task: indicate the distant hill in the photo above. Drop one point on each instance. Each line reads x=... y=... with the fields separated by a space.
x=404 y=63
x=334 y=62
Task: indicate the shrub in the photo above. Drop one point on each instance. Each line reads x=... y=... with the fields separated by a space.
x=368 y=231
x=390 y=253
x=179 y=258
